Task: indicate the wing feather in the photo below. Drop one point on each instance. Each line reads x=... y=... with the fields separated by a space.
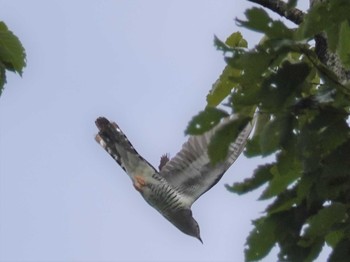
x=191 y=172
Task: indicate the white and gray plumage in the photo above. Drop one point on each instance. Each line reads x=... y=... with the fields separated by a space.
x=180 y=181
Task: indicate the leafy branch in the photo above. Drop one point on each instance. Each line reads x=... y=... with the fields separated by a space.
x=302 y=106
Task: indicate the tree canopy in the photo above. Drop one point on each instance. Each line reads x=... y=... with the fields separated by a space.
x=295 y=83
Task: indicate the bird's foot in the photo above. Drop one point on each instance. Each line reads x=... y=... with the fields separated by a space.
x=139 y=183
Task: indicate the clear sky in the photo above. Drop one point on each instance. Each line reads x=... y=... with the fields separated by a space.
x=147 y=65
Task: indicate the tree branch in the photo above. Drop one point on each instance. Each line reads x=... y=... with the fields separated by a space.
x=293 y=14
x=296 y=16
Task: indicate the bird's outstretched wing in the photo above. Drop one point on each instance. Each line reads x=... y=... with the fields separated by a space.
x=113 y=140
x=190 y=170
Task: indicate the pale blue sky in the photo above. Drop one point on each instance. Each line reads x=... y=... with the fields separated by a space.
x=147 y=65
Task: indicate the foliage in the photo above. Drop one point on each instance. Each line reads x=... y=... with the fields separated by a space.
x=302 y=111
x=12 y=54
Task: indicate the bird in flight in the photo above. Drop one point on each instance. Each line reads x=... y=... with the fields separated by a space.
x=180 y=181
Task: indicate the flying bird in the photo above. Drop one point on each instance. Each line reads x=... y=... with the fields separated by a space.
x=180 y=181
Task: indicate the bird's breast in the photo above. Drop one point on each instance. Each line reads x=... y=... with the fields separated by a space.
x=162 y=196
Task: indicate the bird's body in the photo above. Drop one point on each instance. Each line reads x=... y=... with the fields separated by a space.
x=180 y=181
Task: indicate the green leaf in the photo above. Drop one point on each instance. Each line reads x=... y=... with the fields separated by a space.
x=220 y=45
x=321 y=223
x=261 y=175
x=12 y=53
x=304 y=185
x=253 y=63
x=236 y=40
x=334 y=237
x=261 y=121
x=341 y=252
x=277 y=91
x=284 y=201
x=320 y=136
x=286 y=171
x=2 y=77
x=292 y=3
x=261 y=239
x=258 y=20
x=223 y=86
x=337 y=164
x=332 y=32
x=274 y=134
x=344 y=43
x=323 y=17
x=205 y=121
x=219 y=144
x=314 y=250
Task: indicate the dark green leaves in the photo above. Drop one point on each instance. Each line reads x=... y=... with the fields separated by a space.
x=274 y=135
x=261 y=175
x=341 y=252
x=344 y=43
x=259 y=20
x=277 y=90
x=12 y=54
x=219 y=144
x=323 y=222
x=284 y=173
x=331 y=17
x=302 y=111
x=324 y=16
x=205 y=121
x=262 y=239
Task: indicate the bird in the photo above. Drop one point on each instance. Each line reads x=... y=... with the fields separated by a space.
x=181 y=180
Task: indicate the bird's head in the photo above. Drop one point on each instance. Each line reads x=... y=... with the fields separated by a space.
x=184 y=221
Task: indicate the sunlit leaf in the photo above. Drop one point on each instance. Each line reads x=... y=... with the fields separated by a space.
x=223 y=86
x=220 y=45
x=236 y=40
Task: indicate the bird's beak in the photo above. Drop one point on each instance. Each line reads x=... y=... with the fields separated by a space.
x=199 y=238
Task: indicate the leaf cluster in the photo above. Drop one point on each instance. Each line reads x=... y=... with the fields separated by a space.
x=12 y=54
x=302 y=113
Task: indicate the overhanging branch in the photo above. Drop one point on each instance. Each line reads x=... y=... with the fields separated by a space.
x=296 y=16
x=293 y=14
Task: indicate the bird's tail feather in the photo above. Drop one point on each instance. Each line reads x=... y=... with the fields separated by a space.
x=113 y=140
